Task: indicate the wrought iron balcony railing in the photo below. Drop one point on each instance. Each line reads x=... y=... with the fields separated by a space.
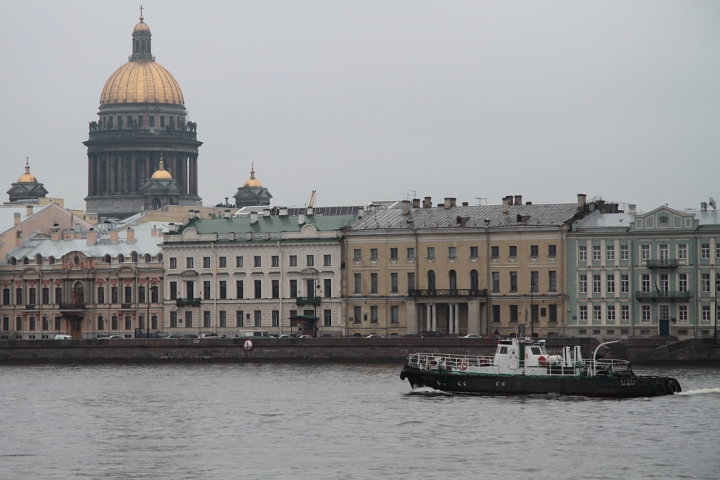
x=307 y=301
x=661 y=295
x=457 y=292
x=662 y=263
x=72 y=306
x=187 y=302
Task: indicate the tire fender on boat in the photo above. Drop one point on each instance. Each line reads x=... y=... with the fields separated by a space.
x=660 y=389
x=674 y=386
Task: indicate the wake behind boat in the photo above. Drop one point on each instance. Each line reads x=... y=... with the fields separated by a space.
x=524 y=367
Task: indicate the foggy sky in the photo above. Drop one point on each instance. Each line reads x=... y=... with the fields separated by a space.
x=371 y=100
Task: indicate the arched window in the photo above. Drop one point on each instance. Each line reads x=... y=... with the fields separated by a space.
x=121 y=258
x=156 y=204
x=143 y=46
x=474 y=280
x=452 y=276
x=107 y=259
x=13 y=261
x=431 y=280
x=159 y=257
x=51 y=260
x=78 y=293
x=137 y=46
x=38 y=259
x=148 y=258
x=134 y=257
x=26 y=261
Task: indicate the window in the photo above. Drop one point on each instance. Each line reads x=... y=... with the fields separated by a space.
x=682 y=282
x=494 y=251
x=596 y=252
x=624 y=283
x=717 y=250
x=512 y=251
x=275 y=317
x=19 y=296
x=239 y=262
x=682 y=314
x=32 y=296
x=100 y=295
x=206 y=262
x=327 y=260
x=705 y=282
x=534 y=281
x=128 y=322
x=645 y=282
x=610 y=313
x=46 y=296
x=410 y=253
x=258 y=288
x=611 y=284
x=32 y=324
x=173 y=263
x=206 y=290
x=223 y=318
x=625 y=313
x=513 y=314
x=583 y=313
x=257 y=261
x=597 y=313
x=188 y=319
x=513 y=281
x=154 y=294
x=394 y=282
x=646 y=314
x=173 y=290
x=645 y=252
x=552 y=313
x=239 y=318
x=582 y=284
x=276 y=289
x=358 y=283
x=431 y=280
x=189 y=262
x=373 y=314
x=705 y=251
x=717 y=283
x=496 y=281
x=293 y=289
x=682 y=251
x=474 y=280
x=582 y=253
x=173 y=319
x=328 y=287
x=452 y=252
x=310 y=260
x=222 y=262
x=128 y=294
x=610 y=253
x=141 y=294
x=665 y=312
x=18 y=323
x=664 y=282
x=223 y=289
x=624 y=252
x=327 y=318
x=6 y=296
x=357 y=312
x=258 y=318
x=473 y=252
x=373 y=254
x=373 y=283
x=664 y=252
x=59 y=295
x=357 y=254
x=533 y=250
x=411 y=280
x=552 y=250
x=705 y=314
x=394 y=314
x=430 y=253
x=293 y=260
x=239 y=289
x=452 y=277
x=496 y=314
x=206 y=319
x=275 y=261
x=597 y=286
x=552 y=281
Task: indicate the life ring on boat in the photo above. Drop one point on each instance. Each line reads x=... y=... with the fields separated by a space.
x=462 y=365
x=248 y=345
x=674 y=386
x=541 y=360
x=659 y=389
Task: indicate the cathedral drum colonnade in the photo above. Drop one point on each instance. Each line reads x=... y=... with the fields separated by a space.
x=141 y=121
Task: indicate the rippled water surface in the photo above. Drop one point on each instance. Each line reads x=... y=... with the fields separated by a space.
x=339 y=422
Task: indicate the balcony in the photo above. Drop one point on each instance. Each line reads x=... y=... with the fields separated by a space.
x=187 y=302
x=435 y=293
x=307 y=301
x=72 y=306
x=656 y=295
x=662 y=264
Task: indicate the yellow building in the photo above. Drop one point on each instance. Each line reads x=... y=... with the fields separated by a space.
x=458 y=270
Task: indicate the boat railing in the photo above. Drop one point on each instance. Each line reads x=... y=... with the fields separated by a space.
x=436 y=361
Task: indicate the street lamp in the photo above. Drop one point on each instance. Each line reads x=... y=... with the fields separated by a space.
x=147 y=301
x=532 y=309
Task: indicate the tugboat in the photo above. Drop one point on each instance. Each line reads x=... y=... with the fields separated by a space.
x=522 y=367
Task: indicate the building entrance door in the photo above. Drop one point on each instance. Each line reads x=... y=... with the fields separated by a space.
x=75 y=327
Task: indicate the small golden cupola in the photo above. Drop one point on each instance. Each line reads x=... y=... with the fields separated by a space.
x=161 y=173
x=252 y=181
x=27 y=177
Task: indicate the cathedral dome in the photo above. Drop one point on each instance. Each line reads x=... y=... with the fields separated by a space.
x=161 y=173
x=252 y=181
x=27 y=177
x=141 y=26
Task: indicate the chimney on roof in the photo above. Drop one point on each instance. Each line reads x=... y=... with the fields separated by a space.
x=582 y=201
x=301 y=218
x=154 y=232
x=506 y=204
x=55 y=232
x=16 y=218
x=113 y=237
x=632 y=208
x=416 y=203
x=28 y=210
x=266 y=212
x=91 y=237
x=309 y=211
x=528 y=203
x=360 y=213
x=509 y=199
x=703 y=206
x=518 y=199
x=253 y=217
x=427 y=203
x=130 y=235
x=449 y=202
x=406 y=207
x=282 y=211
x=465 y=204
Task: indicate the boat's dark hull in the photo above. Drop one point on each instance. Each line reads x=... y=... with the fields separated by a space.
x=598 y=386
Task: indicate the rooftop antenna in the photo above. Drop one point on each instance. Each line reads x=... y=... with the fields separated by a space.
x=407 y=194
x=480 y=200
x=713 y=203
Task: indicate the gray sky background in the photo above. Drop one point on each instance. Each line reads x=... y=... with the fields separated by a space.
x=369 y=100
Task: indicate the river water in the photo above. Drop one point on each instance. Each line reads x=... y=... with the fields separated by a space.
x=330 y=421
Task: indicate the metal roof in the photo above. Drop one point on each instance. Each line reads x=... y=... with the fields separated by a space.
x=607 y=220
x=7 y=214
x=470 y=217
x=270 y=224
x=59 y=248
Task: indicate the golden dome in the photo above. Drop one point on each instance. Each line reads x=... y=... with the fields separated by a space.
x=161 y=173
x=27 y=177
x=141 y=81
x=252 y=181
x=141 y=26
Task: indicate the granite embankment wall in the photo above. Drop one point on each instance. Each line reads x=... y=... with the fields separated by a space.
x=648 y=351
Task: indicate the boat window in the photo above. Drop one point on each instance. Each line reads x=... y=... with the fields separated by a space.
x=503 y=350
x=536 y=350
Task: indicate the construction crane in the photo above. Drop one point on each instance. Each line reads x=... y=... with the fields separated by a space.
x=311 y=202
